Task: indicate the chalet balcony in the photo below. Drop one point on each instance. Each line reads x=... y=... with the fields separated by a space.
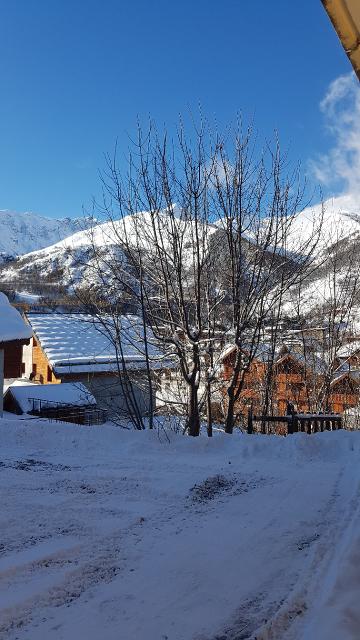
x=285 y=378
x=344 y=398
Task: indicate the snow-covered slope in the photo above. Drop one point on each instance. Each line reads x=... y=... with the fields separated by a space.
x=24 y=232
x=134 y=229
x=75 y=259
x=72 y=259
x=340 y=219
x=337 y=253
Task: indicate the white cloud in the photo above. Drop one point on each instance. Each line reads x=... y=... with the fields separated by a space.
x=339 y=169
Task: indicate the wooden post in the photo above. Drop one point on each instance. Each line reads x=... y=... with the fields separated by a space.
x=290 y=413
x=250 y=423
x=295 y=423
x=291 y=423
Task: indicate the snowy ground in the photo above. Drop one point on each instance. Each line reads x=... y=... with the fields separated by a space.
x=109 y=534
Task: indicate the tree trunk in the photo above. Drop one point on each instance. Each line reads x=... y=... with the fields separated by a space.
x=209 y=412
x=193 y=421
x=229 y=422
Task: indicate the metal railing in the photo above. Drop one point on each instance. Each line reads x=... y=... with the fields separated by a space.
x=60 y=412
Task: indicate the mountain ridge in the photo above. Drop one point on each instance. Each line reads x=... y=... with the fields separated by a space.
x=24 y=232
x=70 y=259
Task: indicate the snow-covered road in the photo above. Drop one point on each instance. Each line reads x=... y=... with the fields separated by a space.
x=108 y=534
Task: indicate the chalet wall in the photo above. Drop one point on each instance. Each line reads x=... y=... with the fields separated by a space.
x=106 y=388
x=27 y=358
x=344 y=395
x=41 y=366
x=12 y=359
x=109 y=394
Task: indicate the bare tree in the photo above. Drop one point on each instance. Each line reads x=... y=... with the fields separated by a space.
x=211 y=268
x=258 y=203
x=336 y=288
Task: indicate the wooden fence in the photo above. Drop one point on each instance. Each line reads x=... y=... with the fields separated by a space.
x=294 y=422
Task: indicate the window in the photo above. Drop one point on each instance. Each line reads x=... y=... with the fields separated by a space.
x=34 y=368
x=23 y=367
x=49 y=374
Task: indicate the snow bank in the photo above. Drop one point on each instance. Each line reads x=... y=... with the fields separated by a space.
x=151 y=535
x=108 y=439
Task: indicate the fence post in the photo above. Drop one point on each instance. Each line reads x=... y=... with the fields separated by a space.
x=291 y=423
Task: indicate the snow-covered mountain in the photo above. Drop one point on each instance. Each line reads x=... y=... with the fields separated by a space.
x=75 y=260
x=337 y=252
x=339 y=218
x=72 y=259
x=21 y=233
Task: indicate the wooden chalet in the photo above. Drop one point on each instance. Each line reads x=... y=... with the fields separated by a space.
x=72 y=347
x=14 y=334
x=344 y=392
x=348 y=356
x=292 y=381
x=251 y=393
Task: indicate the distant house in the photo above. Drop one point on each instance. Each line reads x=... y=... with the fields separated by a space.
x=14 y=333
x=293 y=380
x=70 y=402
x=344 y=392
x=287 y=381
x=251 y=393
x=348 y=356
x=76 y=348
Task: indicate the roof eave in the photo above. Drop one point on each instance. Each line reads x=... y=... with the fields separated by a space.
x=345 y=17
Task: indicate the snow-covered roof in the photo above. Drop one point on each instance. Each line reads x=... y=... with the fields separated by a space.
x=78 y=343
x=349 y=349
x=339 y=375
x=262 y=352
x=12 y=325
x=68 y=393
x=312 y=362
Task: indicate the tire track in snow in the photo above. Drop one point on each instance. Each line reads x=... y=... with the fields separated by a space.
x=262 y=618
x=92 y=568
x=337 y=516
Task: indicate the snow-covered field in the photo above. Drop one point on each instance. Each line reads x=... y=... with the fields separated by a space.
x=109 y=534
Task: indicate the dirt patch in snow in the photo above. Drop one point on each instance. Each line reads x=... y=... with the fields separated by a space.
x=210 y=488
x=29 y=464
x=219 y=484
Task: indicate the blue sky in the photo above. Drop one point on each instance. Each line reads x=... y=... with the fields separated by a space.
x=76 y=75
